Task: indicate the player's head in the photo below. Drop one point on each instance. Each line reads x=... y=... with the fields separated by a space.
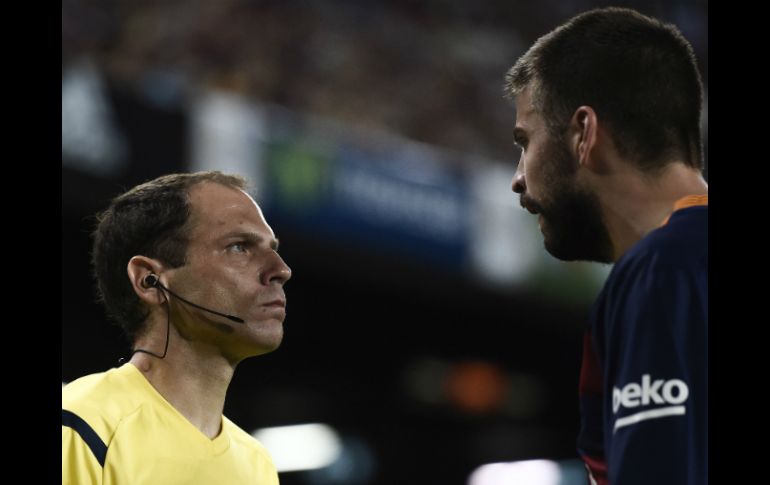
x=637 y=77
x=637 y=73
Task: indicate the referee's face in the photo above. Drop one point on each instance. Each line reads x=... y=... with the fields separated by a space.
x=546 y=179
x=232 y=266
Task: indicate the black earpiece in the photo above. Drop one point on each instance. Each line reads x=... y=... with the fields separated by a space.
x=150 y=281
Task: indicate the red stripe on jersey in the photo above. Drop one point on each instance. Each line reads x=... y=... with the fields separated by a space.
x=590 y=371
x=597 y=470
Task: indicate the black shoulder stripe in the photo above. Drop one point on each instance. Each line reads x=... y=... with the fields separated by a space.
x=98 y=448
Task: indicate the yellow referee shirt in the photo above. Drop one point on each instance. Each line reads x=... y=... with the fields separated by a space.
x=117 y=429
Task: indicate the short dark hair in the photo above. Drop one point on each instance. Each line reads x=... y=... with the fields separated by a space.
x=637 y=73
x=149 y=220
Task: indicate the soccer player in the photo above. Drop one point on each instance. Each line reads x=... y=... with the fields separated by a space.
x=608 y=109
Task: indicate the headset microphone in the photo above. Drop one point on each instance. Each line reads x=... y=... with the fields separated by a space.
x=151 y=281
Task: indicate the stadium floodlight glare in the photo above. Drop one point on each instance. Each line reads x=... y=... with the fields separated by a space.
x=301 y=446
x=530 y=472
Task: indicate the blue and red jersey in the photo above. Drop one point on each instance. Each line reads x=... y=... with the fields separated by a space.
x=644 y=378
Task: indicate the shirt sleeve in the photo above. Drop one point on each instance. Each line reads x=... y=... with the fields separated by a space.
x=79 y=465
x=656 y=358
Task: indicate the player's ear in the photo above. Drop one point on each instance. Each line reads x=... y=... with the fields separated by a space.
x=582 y=133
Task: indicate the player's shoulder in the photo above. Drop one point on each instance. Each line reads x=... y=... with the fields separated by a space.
x=680 y=244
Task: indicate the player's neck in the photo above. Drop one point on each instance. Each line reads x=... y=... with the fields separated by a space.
x=634 y=205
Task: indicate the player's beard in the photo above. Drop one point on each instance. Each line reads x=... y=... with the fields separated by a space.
x=572 y=223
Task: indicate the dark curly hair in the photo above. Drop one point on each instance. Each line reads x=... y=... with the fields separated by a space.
x=637 y=73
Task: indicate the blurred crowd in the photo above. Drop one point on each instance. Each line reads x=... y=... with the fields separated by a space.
x=430 y=70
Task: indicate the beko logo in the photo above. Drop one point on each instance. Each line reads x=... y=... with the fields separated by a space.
x=659 y=391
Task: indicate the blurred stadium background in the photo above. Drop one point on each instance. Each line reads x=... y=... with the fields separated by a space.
x=429 y=339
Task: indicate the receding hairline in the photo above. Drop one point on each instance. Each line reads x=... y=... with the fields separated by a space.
x=195 y=206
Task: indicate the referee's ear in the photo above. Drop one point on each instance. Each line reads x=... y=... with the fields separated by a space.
x=138 y=268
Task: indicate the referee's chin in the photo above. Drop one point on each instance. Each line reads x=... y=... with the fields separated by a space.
x=260 y=341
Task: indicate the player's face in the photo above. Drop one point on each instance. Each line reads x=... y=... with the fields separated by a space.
x=570 y=216
x=233 y=267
